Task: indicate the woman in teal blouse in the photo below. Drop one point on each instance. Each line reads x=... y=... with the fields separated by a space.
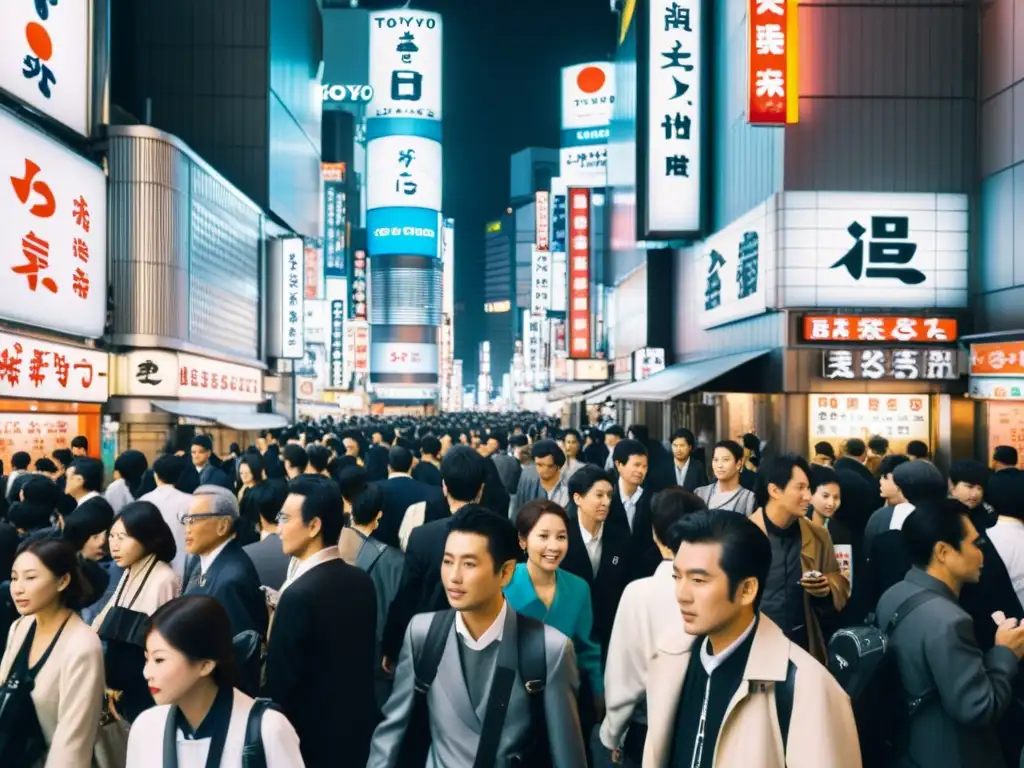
x=540 y=589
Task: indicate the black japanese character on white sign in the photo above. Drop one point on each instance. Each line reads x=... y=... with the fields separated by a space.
x=889 y=245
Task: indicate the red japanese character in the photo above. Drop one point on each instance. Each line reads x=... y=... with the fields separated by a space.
x=23 y=187
x=80 y=283
x=80 y=249
x=10 y=365
x=86 y=377
x=81 y=213
x=37 y=251
x=183 y=376
x=36 y=366
x=62 y=368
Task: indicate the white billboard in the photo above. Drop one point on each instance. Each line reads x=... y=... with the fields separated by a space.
x=43 y=370
x=404 y=172
x=403 y=357
x=541 y=284
x=588 y=97
x=53 y=243
x=293 y=336
x=405 y=64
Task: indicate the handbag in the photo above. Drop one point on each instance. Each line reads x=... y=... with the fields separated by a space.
x=22 y=743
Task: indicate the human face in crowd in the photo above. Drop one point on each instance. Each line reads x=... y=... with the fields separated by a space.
x=795 y=497
x=826 y=499
x=446 y=443
x=297 y=538
x=968 y=494
x=204 y=530
x=611 y=441
x=468 y=572
x=547 y=543
x=546 y=469
x=889 y=491
x=724 y=465
x=78 y=452
x=169 y=673
x=597 y=502
x=488 y=448
x=474 y=442
x=822 y=460
x=702 y=589
x=199 y=456
x=633 y=471
x=245 y=474
x=376 y=438
x=966 y=563
x=351 y=447
x=73 y=483
x=571 y=446
x=125 y=550
x=95 y=547
x=681 y=450
x=34 y=587
x=261 y=445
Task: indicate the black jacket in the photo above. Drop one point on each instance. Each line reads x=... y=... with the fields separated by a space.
x=400 y=493
x=642 y=534
x=377 y=463
x=233 y=580
x=97 y=505
x=495 y=497
x=427 y=473
x=321 y=660
x=695 y=477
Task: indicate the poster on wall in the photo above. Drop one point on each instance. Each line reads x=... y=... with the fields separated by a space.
x=1006 y=427
x=836 y=418
x=38 y=434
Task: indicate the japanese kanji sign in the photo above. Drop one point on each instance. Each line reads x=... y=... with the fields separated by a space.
x=588 y=98
x=358 y=296
x=335 y=219
x=883 y=329
x=840 y=417
x=579 y=272
x=675 y=108
x=403 y=172
x=157 y=373
x=1000 y=358
x=773 y=97
x=906 y=364
x=337 y=293
x=541 y=280
x=53 y=259
x=732 y=270
x=47 y=46
x=647 y=362
x=542 y=203
x=405 y=64
x=42 y=370
x=289 y=342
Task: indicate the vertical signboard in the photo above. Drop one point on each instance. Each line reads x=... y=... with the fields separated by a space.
x=588 y=98
x=293 y=315
x=540 y=295
x=579 y=273
x=313 y=270
x=772 y=90
x=359 y=298
x=405 y=64
x=337 y=293
x=541 y=205
x=558 y=223
x=335 y=215
x=675 y=112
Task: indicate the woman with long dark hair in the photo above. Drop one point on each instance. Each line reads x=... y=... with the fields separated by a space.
x=200 y=718
x=129 y=469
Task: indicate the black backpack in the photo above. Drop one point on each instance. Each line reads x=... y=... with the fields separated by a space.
x=859 y=660
x=253 y=752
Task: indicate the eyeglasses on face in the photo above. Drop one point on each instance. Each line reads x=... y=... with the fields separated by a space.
x=190 y=519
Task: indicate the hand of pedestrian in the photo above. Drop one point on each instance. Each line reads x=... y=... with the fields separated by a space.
x=616 y=756
x=818 y=586
x=387 y=666
x=1011 y=636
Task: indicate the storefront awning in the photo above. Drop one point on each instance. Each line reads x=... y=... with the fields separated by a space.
x=569 y=389
x=602 y=393
x=684 y=377
x=224 y=417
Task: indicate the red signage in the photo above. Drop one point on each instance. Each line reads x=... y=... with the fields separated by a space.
x=579 y=273
x=313 y=271
x=773 y=98
x=868 y=328
x=1000 y=358
x=358 y=291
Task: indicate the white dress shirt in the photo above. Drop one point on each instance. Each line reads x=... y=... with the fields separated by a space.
x=89 y=495
x=172 y=504
x=681 y=471
x=713 y=662
x=559 y=494
x=205 y=561
x=593 y=545
x=630 y=502
x=492 y=635
x=1007 y=536
x=296 y=568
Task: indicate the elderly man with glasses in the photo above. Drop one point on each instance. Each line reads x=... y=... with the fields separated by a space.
x=217 y=564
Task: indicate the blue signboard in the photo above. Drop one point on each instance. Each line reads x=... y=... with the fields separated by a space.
x=402 y=231
x=558 y=224
x=335 y=217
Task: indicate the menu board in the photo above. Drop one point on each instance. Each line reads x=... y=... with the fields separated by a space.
x=837 y=418
x=38 y=434
x=1006 y=427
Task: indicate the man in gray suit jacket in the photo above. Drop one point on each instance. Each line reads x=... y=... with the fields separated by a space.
x=271 y=562
x=963 y=692
x=479 y=561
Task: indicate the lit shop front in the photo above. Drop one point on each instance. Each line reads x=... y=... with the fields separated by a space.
x=997 y=385
x=49 y=393
x=159 y=395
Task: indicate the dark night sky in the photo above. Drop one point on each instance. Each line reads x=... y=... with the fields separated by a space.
x=502 y=62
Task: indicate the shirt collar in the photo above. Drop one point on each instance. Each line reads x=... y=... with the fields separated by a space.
x=399 y=474
x=205 y=561
x=89 y=495
x=587 y=536
x=299 y=567
x=713 y=662
x=492 y=635
x=630 y=499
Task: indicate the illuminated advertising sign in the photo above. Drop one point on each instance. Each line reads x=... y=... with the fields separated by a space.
x=337 y=293
x=675 y=109
x=579 y=273
x=402 y=231
x=359 y=297
x=290 y=276
x=540 y=295
x=402 y=358
x=772 y=90
x=404 y=172
x=405 y=64
x=588 y=96
x=497 y=307
x=448 y=267
x=313 y=270
x=543 y=239
x=347 y=93
x=335 y=218
x=558 y=223
x=42 y=370
x=879 y=328
x=559 y=281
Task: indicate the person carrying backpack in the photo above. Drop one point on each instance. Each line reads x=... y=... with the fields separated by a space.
x=481 y=685
x=950 y=695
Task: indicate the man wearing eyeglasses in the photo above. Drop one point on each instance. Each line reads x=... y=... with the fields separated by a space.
x=218 y=566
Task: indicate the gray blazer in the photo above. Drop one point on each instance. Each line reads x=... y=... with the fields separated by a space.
x=529 y=489
x=509 y=470
x=270 y=560
x=936 y=650
x=455 y=725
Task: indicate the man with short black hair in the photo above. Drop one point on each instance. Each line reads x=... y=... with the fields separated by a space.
x=20 y=463
x=542 y=479
x=295 y=460
x=687 y=472
x=1004 y=458
x=377 y=456
x=80 y=446
x=509 y=468
x=172 y=503
x=967 y=481
x=202 y=457
x=407 y=502
x=321 y=651
x=267 y=555
x=84 y=483
x=428 y=470
x=572 y=444
x=612 y=435
x=631 y=503
x=318 y=457
x=917 y=450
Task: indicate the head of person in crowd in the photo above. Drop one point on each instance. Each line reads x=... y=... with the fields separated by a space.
x=630 y=460
x=668 y=507
x=491 y=443
x=720 y=569
x=131 y=466
x=920 y=481
x=210 y=521
x=352 y=441
x=480 y=557
x=430 y=450
x=917 y=450
x=787 y=483
x=268 y=500
x=591 y=489
x=474 y=440
x=234 y=451
x=888 y=489
x=87 y=531
x=941 y=539
x=251 y=470
x=612 y=435
x=47 y=579
x=84 y=477
x=189 y=653
x=47 y=467
x=967 y=481
x=312 y=516
x=63 y=457
x=726 y=462
x=826 y=495
x=1004 y=457
x=79 y=446
x=572 y=443
x=383 y=436
x=543 y=528
x=318 y=458
x=21 y=461
x=38 y=491
x=140 y=532
x=367 y=509
x=519 y=443
x=352 y=481
x=878 y=446
x=201 y=450
x=683 y=443
x=824 y=454
x=169 y=469
x=549 y=459
x=295 y=460
x=856 y=449
x=399 y=461
x=751 y=449
x=463 y=474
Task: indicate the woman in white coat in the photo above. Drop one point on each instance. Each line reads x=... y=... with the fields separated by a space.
x=201 y=720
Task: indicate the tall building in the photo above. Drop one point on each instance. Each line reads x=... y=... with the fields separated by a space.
x=531 y=169
x=499 y=290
